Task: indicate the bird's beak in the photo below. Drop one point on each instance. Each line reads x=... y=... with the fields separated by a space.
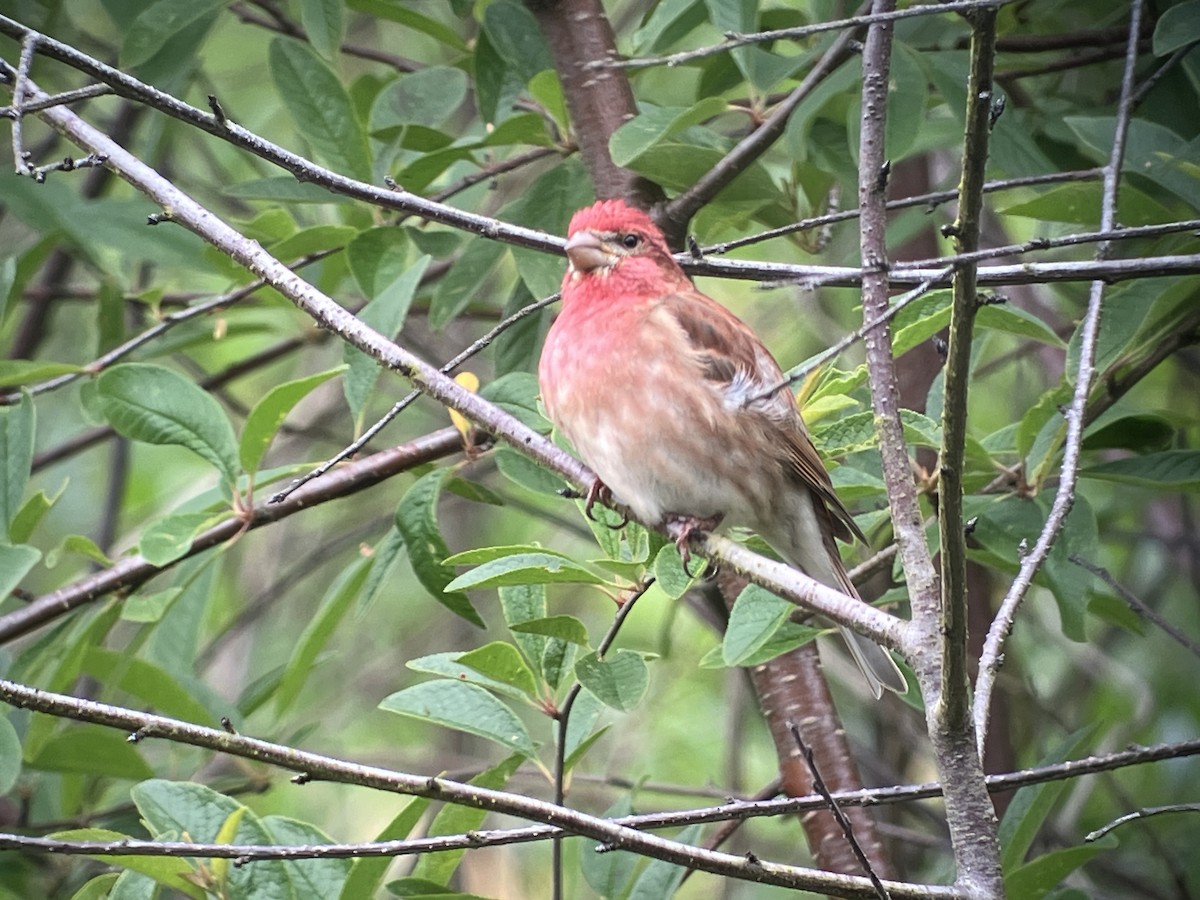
x=587 y=252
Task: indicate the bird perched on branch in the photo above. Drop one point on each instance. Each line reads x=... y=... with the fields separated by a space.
x=667 y=397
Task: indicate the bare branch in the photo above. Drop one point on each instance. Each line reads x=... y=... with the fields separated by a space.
x=993 y=650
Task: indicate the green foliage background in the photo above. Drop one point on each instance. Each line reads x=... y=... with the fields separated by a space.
x=317 y=631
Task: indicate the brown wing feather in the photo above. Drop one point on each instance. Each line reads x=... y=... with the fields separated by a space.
x=729 y=350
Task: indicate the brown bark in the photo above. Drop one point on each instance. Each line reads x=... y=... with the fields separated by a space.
x=599 y=100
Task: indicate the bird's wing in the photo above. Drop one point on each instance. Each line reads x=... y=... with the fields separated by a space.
x=731 y=355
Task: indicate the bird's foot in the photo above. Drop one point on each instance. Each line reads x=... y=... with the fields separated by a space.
x=599 y=492
x=688 y=525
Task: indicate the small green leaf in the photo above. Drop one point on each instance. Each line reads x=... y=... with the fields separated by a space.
x=149 y=607
x=464 y=280
x=503 y=662
x=464 y=707
x=172 y=872
x=477 y=555
x=324 y=23
x=525 y=603
x=754 y=619
x=170 y=538
x=90 y=750
x=1169 y=470
x=318 y=239
x=426 y=97
x=268 y=414
x=525 y=568
x=655 y=123
x=15 y=563
x=446 y=665
x=609 y=873
x=455 y=819
x=416 y=517
x=10 y=756
x=661 y=879
x=1036 y=878
x=516 y=37
x=1031 y=805
x=16 y=372
x=158 y=23
x=30 y=515
x=1142 y=433
x=17 y=428
x=368 y=872
x=386 y=314
x=316 y=635
x=159 y=406
x=619 y=680
x=320 y=107
x=377 y=257
x=1177 y=27
x=565 y=628
x=672 y=578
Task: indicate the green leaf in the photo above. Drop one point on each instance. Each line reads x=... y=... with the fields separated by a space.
x=318 y=239
x=618 y=680
x=324 y=23
x=151 y=684
x=754 y=619
x=172 y=872
x=396 y=11
x=672 y=578
x=158 y=23
x=467 y=276
x=1177 y=27
x=857 y=432
x=316 y=634
x=16 y=372
x=655 y=123
x=464 y=707
x=386 y=314
x=520 y=604
x=525 y=472
x=15 y=563
x=320 y=107
x=580 y=727
x=149 y=607
x=661 y=879
x=455 y=819
x=268 y=414
x=1031 y=805
x=447 y=665
x=416 y=517
x=1143 y=433
x=502 y=662
x=30 y=515
x=368 y=872
x=564 y=628
x=283 y=189
x=609 y=873
x=102 y=887
x=10 y=756
x=517 y=38
x=307 y=877
x=171 y=809
x=170 y=538
x=544 y=567
x=427 y=97
x=90 y=750
x=1169 y=470
x=159 y=406
x=377 y=258
x=17 y=429
x=1036 y=878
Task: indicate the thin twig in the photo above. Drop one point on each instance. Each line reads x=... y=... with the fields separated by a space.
x=412 y=396
x=63 y=99
x=840 y=817
x=564 y=721
x=993 y=649
x=1141 y=814
x=733 y=41
x=20 y=85
x=1142 y=609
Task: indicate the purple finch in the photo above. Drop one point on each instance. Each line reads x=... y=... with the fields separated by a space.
x=667 y=397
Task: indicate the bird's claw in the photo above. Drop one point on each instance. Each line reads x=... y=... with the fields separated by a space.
x=688 y=525
x=599 y=492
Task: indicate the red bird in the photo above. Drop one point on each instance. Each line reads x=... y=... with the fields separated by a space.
x=661 y=390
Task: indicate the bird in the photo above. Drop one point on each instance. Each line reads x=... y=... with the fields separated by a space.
x=681 y=412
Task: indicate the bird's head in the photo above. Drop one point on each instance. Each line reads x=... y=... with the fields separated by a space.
x=612 y=237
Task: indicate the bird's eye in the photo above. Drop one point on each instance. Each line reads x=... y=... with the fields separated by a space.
x=631 y=240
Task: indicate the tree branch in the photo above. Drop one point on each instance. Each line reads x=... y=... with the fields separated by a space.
x=993 y=650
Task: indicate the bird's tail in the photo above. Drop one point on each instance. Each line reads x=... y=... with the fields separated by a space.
x=876 y=664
